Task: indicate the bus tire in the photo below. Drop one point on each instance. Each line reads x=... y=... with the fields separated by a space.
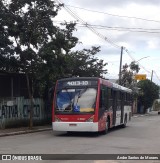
x=107 y=126
x=125 y=122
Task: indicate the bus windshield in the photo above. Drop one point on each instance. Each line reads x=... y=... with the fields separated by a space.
x=82 y=100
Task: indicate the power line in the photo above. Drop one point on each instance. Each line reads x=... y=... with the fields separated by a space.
x=97 y=33
x=103 y=26
x=86 y=24
x=122 y=16
x=139 y=30
x=157 y=75
x=123 y=29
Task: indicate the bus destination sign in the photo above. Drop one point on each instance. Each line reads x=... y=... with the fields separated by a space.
x=78 y=83
x=75 y=83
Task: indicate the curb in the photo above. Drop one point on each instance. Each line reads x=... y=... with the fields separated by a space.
x=139 y=115
x=24 y=132
x=146 y=114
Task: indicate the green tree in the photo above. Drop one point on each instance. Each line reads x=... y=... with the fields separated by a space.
x=84 y=63
x=33 y=45
x=149 y=92
x=127 y=73
x=29 y=26
x=61 y=61
x=54 y=55
x=7 y=60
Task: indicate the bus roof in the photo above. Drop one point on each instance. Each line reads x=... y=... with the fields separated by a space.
x=115 y=86
x=81 y=78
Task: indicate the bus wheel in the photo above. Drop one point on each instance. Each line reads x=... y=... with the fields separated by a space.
x=125 y=122
x=107 y=127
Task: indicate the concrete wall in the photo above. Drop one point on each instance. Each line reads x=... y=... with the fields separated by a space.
x=15 y=112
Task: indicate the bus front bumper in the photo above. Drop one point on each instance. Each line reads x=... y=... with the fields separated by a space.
x=75 y=126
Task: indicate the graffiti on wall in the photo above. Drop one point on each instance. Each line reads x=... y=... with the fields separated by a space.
x=36 y=110
x=12 y=111
x=17 y=112
x=8 y=111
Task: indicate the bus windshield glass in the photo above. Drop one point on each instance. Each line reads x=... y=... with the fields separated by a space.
x=81 y=100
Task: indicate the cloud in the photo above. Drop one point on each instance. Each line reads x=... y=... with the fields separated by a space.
x=129 y=38
x=111 y=3
x=133 y=33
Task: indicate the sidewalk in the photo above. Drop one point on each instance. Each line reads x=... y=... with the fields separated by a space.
x=146 y=114
x=23 y=130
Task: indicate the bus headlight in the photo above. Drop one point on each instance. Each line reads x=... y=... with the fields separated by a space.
x=57 y=119
x=90 y=119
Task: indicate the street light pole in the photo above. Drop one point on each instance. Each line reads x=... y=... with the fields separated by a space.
x=142 y=58
x=120 y=66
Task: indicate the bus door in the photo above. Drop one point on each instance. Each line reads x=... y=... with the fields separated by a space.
x=118 y=108
x=122 y=106
x=114 y=104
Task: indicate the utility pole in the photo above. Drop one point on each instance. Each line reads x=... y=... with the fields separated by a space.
x=120 y=66
x=152 y=76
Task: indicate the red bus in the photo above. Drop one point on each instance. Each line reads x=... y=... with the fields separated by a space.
x=90 y=104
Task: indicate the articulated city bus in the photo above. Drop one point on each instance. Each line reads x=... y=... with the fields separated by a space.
x=90 y=104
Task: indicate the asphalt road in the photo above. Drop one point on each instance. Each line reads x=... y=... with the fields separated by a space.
x=141 y=136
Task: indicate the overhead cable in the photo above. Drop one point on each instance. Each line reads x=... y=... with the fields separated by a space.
x=92 y=28
x=122 y=16
x=156 y=75
x=89 y=27
x=141 y=30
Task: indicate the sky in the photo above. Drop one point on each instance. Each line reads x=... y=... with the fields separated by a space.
x=135 y=25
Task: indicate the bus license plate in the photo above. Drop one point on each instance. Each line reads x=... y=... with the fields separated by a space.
x=73 y=124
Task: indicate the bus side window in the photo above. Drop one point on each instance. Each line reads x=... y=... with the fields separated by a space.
x=110 y=99
x=125 y=97
x=118 y=100
x=128 y=98
x=122 y=97
x=103 y=98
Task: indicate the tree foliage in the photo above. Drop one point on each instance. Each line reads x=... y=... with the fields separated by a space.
x=32 y=44
x=7 y=60
x=149 y=92
x=127 y=73
x=84 y=63
x=28 y=26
